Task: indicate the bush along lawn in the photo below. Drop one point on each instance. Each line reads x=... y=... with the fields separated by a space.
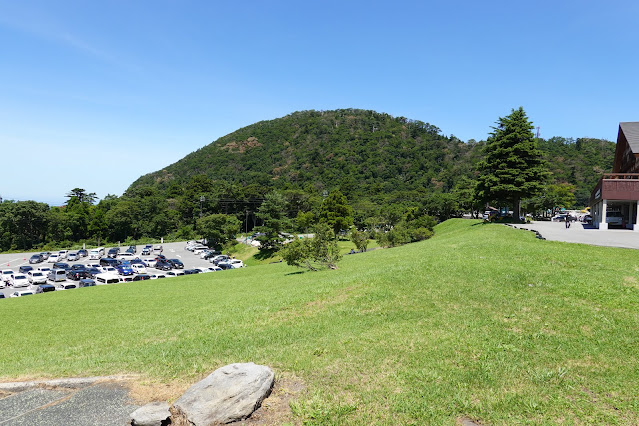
x=481 y=321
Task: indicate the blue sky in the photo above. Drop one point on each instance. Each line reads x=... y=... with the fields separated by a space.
x=96 y=94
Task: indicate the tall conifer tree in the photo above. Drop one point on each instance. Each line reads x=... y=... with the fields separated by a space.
x=513 y=167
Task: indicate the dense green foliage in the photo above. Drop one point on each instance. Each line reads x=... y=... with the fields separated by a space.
x=512 y=168
x=482 y=321
x=320 y=251
x=388 y=168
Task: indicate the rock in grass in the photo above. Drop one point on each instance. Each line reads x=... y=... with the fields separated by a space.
x=154 y=414
x=231 y=393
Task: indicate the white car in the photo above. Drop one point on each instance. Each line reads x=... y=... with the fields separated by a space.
x=66 y=285
x=235 y=263
x=214 y=268
x=6 y=276
x=62 y=254
x=19 y=280
x=108 y=270
x=21 y=293
x=44 y=269
x=174 y=273
x=156 y=276
x=93 y=265
x=36 y=277
x=138 y=268
x=72 y=256
x=126 y=256
x=54 y=258
x=150 y=262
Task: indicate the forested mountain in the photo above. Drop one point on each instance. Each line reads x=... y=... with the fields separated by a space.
x=360 y=152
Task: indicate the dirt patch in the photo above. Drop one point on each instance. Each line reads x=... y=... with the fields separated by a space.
x=465 y=421
x=146 y=392
x=276 y=409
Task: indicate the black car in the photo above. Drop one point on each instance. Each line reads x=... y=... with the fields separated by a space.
x=1 y=295
x=36 y=258
x=61 y=265
x=45 y=288
x=77 y=275
x=142 y=277
x=160 y=257
x=163 y=265
x=224 y=265
x=93 y=272
x=78 y=267
x=25 y=268
x=113 y=252
x=83 y=253
x=86 y=282
x=211 y=253
x=191 y=271
x=106 y=261
x=176 y=263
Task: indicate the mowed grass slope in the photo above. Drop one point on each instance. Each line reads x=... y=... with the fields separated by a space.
x=481 y=321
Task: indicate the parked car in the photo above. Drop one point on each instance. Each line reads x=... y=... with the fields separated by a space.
x=53 y=258
x=124 y=269
x=45 y=255
x=72 y=256
x=62 y=254
x=113 y=252
x=6 y=275
x=146 y=251
x=67 y=285
x=107 y=278
x=21 y=293
x=77 y=275
x=107 y=261
x=78 y=267
x=45 y=288
x=174 y=273
x=36 y=258
x=86 y=282
x=138 y=269
x=153 y=276
x=36 y=277
x=57 y=275
x=219 y=258
x=191 y=271
x=44 y=269
x=614 y=218
x=163 y=265
x=83 y=253
x=157 y=250
x=126 y=256
x=558 y=218
x=176 y=263
x=225 y=265
x=61 y=265
x=92 y=272
x=149 y=262
x=237 y=263
x=587 y=219
x=132 y=249
x=108 y=270
x=25 y=268
x=142 y=277
x=19 y=280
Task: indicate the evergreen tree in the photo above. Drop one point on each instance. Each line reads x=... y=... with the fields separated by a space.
x=513 y=167
x=336 y=212
x=273 y=213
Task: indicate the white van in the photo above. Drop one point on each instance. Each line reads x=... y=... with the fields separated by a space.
x=107 y=278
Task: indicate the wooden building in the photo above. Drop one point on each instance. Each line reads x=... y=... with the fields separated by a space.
x=614 y=201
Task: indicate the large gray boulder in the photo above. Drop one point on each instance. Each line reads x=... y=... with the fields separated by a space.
x=231 y=393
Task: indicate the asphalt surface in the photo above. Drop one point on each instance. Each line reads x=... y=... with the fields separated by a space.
x=585 y=234
x=74 y=402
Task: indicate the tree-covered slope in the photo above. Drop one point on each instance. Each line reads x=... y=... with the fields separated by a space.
x=359 y=151
x=364 y=154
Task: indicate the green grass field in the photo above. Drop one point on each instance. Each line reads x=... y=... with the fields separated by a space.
x=482 y=321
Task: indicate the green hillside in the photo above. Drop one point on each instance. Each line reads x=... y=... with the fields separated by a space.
x=364 y=154
x=482 y=321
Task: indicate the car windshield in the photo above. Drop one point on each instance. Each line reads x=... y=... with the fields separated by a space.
x=37 y=274
x=20 y=277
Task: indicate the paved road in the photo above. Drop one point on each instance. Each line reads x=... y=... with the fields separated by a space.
x=584 y=234
x=73 y=402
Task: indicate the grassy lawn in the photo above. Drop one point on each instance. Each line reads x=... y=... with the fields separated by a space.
x=481 y=321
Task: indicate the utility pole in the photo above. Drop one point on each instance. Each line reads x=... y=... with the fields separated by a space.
x=201 y=201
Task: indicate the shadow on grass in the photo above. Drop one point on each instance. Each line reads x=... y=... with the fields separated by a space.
x=264 y=254
x=296 y=273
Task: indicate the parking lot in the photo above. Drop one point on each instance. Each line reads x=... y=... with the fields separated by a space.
x=177 y=250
